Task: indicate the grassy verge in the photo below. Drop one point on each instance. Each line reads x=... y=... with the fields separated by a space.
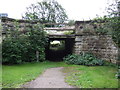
x=16 y=75
x=92 y=77
x=76 y=75
x=0 y=77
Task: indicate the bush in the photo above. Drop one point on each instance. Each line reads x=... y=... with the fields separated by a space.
x=14 y=50
x=83 y=59
x=118 y=73
x=18 y=48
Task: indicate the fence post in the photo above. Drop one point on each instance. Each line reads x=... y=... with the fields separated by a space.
x=37 y=56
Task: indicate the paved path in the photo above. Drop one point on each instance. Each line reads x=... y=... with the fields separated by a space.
x=51 y=78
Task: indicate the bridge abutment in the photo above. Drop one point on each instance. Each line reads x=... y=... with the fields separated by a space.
x=101 y=45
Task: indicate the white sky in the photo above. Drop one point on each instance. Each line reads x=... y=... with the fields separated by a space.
x=75 y=9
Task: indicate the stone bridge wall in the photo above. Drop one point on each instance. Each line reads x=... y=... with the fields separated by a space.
x=10 y=24
x=100 y=45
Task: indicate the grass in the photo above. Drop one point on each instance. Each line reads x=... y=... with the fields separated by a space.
x=0 y=77
x=16 y=75
x=92 y=77
x=76 y=75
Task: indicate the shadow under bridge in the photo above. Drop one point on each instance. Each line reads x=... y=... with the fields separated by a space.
x=61 y=41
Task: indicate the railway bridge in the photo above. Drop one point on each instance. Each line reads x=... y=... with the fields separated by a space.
x=80 y=37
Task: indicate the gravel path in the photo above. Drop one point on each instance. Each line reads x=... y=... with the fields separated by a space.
x=51 y=78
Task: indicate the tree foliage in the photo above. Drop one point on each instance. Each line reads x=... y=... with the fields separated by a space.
x=46 y=11
x=114 y=21
x=111 y=23
x=20 y=47
x=71 y=22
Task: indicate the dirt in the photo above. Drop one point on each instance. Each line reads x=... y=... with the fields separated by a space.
x=51 y=78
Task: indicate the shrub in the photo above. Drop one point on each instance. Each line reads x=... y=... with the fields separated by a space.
x=38 y=40
x=118 y=73
x=83 y=59
x=18 y=47
x=14 y=50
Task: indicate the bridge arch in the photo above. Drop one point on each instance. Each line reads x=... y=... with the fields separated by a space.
x=58 y=55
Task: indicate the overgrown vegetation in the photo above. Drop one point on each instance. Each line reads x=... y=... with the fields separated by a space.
x=111 y=22
x=110 y=26
x=83 y=59
x=19 y=47
x=118 y=73
x=114 y=22
x=101 y=26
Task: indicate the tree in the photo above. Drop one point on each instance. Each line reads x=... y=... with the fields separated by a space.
x=24 y=47
x=71 y=22
x=114 y=21
x=111 y=23
x=46 y=11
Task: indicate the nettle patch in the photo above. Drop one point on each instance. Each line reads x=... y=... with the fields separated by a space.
x=83 y=59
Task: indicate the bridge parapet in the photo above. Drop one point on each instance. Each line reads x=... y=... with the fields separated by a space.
x=52 y=29
x=67 y=30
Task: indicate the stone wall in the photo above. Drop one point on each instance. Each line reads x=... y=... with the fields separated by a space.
x=10 y=24
x=85 y=38
x=100 y=45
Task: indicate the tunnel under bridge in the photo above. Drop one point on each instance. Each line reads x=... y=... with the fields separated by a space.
x=65 y=46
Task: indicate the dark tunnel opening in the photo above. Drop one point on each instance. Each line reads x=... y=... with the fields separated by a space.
x=57 y=49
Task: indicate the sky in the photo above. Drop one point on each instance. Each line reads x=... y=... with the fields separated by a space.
x=75 y=9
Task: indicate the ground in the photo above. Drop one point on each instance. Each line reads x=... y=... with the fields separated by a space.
x=51 y=78
x=58 y=74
